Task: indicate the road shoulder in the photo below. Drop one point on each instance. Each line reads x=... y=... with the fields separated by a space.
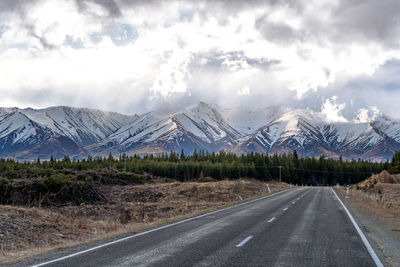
x=379 y=230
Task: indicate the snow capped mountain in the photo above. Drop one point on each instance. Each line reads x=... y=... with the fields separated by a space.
x=196 y=127
x=24 y=129
x=58 y=131
x=17 y=131
x=84 y=126
x=312 y=135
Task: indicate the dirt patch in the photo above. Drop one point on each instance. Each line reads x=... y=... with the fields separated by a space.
x=126 y=209
x=383 y=177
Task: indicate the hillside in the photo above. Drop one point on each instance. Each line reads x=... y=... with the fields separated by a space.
x=383 y=188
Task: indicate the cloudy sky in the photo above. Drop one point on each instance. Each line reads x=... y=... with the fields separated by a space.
x=338 y=56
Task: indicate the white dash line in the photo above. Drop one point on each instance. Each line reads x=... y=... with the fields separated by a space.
x=285 y=209
x=293 y=202
x=241 y=244
x=270 y=220
x=298 y=198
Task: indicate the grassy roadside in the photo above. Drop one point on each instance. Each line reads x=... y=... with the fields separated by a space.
x=66 y=227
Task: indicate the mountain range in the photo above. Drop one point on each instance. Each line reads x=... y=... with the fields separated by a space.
x=26 y=134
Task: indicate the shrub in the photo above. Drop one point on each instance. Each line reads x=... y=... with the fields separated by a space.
x=206 y=179
x=5 y=190
x=55 y=182
x=131 y=177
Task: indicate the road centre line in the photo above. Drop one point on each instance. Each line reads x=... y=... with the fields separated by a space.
x=241 y=244
x=270 y=220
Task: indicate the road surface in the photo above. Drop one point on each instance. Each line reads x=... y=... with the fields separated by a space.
x=298 y=227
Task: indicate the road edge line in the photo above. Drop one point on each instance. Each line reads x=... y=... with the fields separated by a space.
x=156 y=229
x=361 y=234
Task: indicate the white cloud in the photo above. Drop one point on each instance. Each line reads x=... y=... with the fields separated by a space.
x=362 y=116
x=244 y=91
x=219 y=47
x=332 y=110
x=367 y=115
x=173 y=74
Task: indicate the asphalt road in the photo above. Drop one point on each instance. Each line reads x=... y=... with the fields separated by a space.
x=299 y=227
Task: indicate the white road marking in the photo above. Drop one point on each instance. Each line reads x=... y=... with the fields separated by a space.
x=270 y=220
x=153 y=230
x=241 y=244
x=285 y=209
x=363 y=238
x=298 y=198
x=293 y=202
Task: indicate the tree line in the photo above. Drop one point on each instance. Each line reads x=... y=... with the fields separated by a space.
x=213 y=166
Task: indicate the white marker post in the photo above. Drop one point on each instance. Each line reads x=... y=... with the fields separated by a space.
x=269 y=190
x=347 y=192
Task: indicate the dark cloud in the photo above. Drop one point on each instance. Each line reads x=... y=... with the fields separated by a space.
x=214 y=60
x=30 y=28
x=110 y=5
x=277 y=32
x=15 y=5
x=349 y=21
x=368 y=20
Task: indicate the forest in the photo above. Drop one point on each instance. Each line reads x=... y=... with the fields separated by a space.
x=214 y=166
x=60 y=182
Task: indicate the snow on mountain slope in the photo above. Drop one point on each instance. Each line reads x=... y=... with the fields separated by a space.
x=247 y=120
x=196 y=127
x=388 y=126
x=85 y=126
x=348 y=135
x=15 y=127
x=210 y=122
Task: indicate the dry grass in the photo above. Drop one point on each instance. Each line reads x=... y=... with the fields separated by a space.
x=129 y=209
x=382 y=206
x=378 y=195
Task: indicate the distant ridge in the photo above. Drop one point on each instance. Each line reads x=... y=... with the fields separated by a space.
x=26 y=134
